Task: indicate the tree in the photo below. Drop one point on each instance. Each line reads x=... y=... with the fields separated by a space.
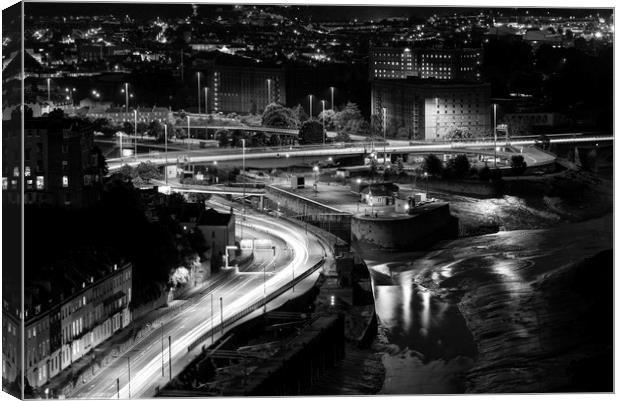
x=342 y=137
x=518 y=164
x=329 y=116
x=459 y=166
x=311 y=131
x=259 y=139
x=236 y=139
x=155 y=129
x=432 y=165
x=222 y=138
x=126 y=172
x=458 y=133
x=275 y=140
x=144 y=127
x=484 y=174
x=128 y=128
x=147 y=171
x=400 y=166
x=348 y=113
x=278 y=116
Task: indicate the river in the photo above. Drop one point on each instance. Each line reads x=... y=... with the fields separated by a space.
x=443 y=312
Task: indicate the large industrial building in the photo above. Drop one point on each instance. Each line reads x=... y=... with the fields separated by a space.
x=404 y=62
x=429 y=109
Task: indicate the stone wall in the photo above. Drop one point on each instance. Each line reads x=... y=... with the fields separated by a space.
x=404 y=233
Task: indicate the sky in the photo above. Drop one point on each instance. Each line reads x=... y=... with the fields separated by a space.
x=146 y=10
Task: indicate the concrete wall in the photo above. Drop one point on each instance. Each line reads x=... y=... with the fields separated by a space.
x=406 y=233
x=305 y=209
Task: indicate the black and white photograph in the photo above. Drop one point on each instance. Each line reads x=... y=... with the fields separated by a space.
x=219 y=199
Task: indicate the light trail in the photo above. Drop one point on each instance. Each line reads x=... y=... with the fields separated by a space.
x=301 y=258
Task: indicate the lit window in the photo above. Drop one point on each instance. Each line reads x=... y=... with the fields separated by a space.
x=27 y=171
x=65 y=181
x=40 y=182
x=5 y=183
x=16 y=172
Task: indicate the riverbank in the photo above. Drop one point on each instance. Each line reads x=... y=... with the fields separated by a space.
x=535 y=306
x=538 y=304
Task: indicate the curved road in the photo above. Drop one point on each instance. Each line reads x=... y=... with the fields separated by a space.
x=237 y=292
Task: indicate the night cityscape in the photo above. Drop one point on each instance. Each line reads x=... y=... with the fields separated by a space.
x=207 y=200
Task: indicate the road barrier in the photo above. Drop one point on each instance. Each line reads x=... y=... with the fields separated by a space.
x=255 y=306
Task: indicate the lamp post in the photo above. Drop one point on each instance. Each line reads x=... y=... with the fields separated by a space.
x=166 y=152
x=128 y=377
x=268 y=91
x=436 y=118
x=316 y=173
x=188 y=130
x=323 y=120
x=426 y=179
x=384 y=110
x=222 y=315
x=243 y=169
x=206 y=100
x=163 y=372
x=212 y=318
x=71 y=91
x=49 y=95
x=331 y=89
x=264 y=289
x=126 y=97
x=310 y=101
x=135 y=133
x=198 y=87
x=494 y=136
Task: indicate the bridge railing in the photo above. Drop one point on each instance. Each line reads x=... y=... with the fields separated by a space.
x=255 y=306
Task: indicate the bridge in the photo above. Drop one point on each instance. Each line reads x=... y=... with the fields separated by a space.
x=345 y=149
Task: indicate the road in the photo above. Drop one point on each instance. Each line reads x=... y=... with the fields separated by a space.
x=341 y=149
x=237 y=292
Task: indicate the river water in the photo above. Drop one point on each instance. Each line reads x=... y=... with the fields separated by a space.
x=428 y=346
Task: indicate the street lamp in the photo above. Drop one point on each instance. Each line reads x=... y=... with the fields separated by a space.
x=268 y=90
x=495 y=135
x=135 y=133
x=426 y=179
x=384 y=110
x=198 y=75
x=166 y=152
x=206 y=100
x=49 y=96
x=243 y=169
x=331 y=88
x=126 y=97
x=188 y=131
x=323 y=119
x=316 y=173
x=436 y=118
x=310 y=101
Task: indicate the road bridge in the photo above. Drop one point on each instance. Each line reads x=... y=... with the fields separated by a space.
x=226 y=155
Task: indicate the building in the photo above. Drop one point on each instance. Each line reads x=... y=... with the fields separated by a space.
x=61 y=164
x=392 y=63
x=431 y=109
x=244 y=89
x=117 y=115
x=238 y=84
x=458 y=64
x=379 y=194
x=523 y=123
x=218 y=230
x=404 y=62
x=67 y=314
x=95 y=52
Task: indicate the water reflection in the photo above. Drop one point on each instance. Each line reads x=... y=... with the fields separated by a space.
x=415 y=318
